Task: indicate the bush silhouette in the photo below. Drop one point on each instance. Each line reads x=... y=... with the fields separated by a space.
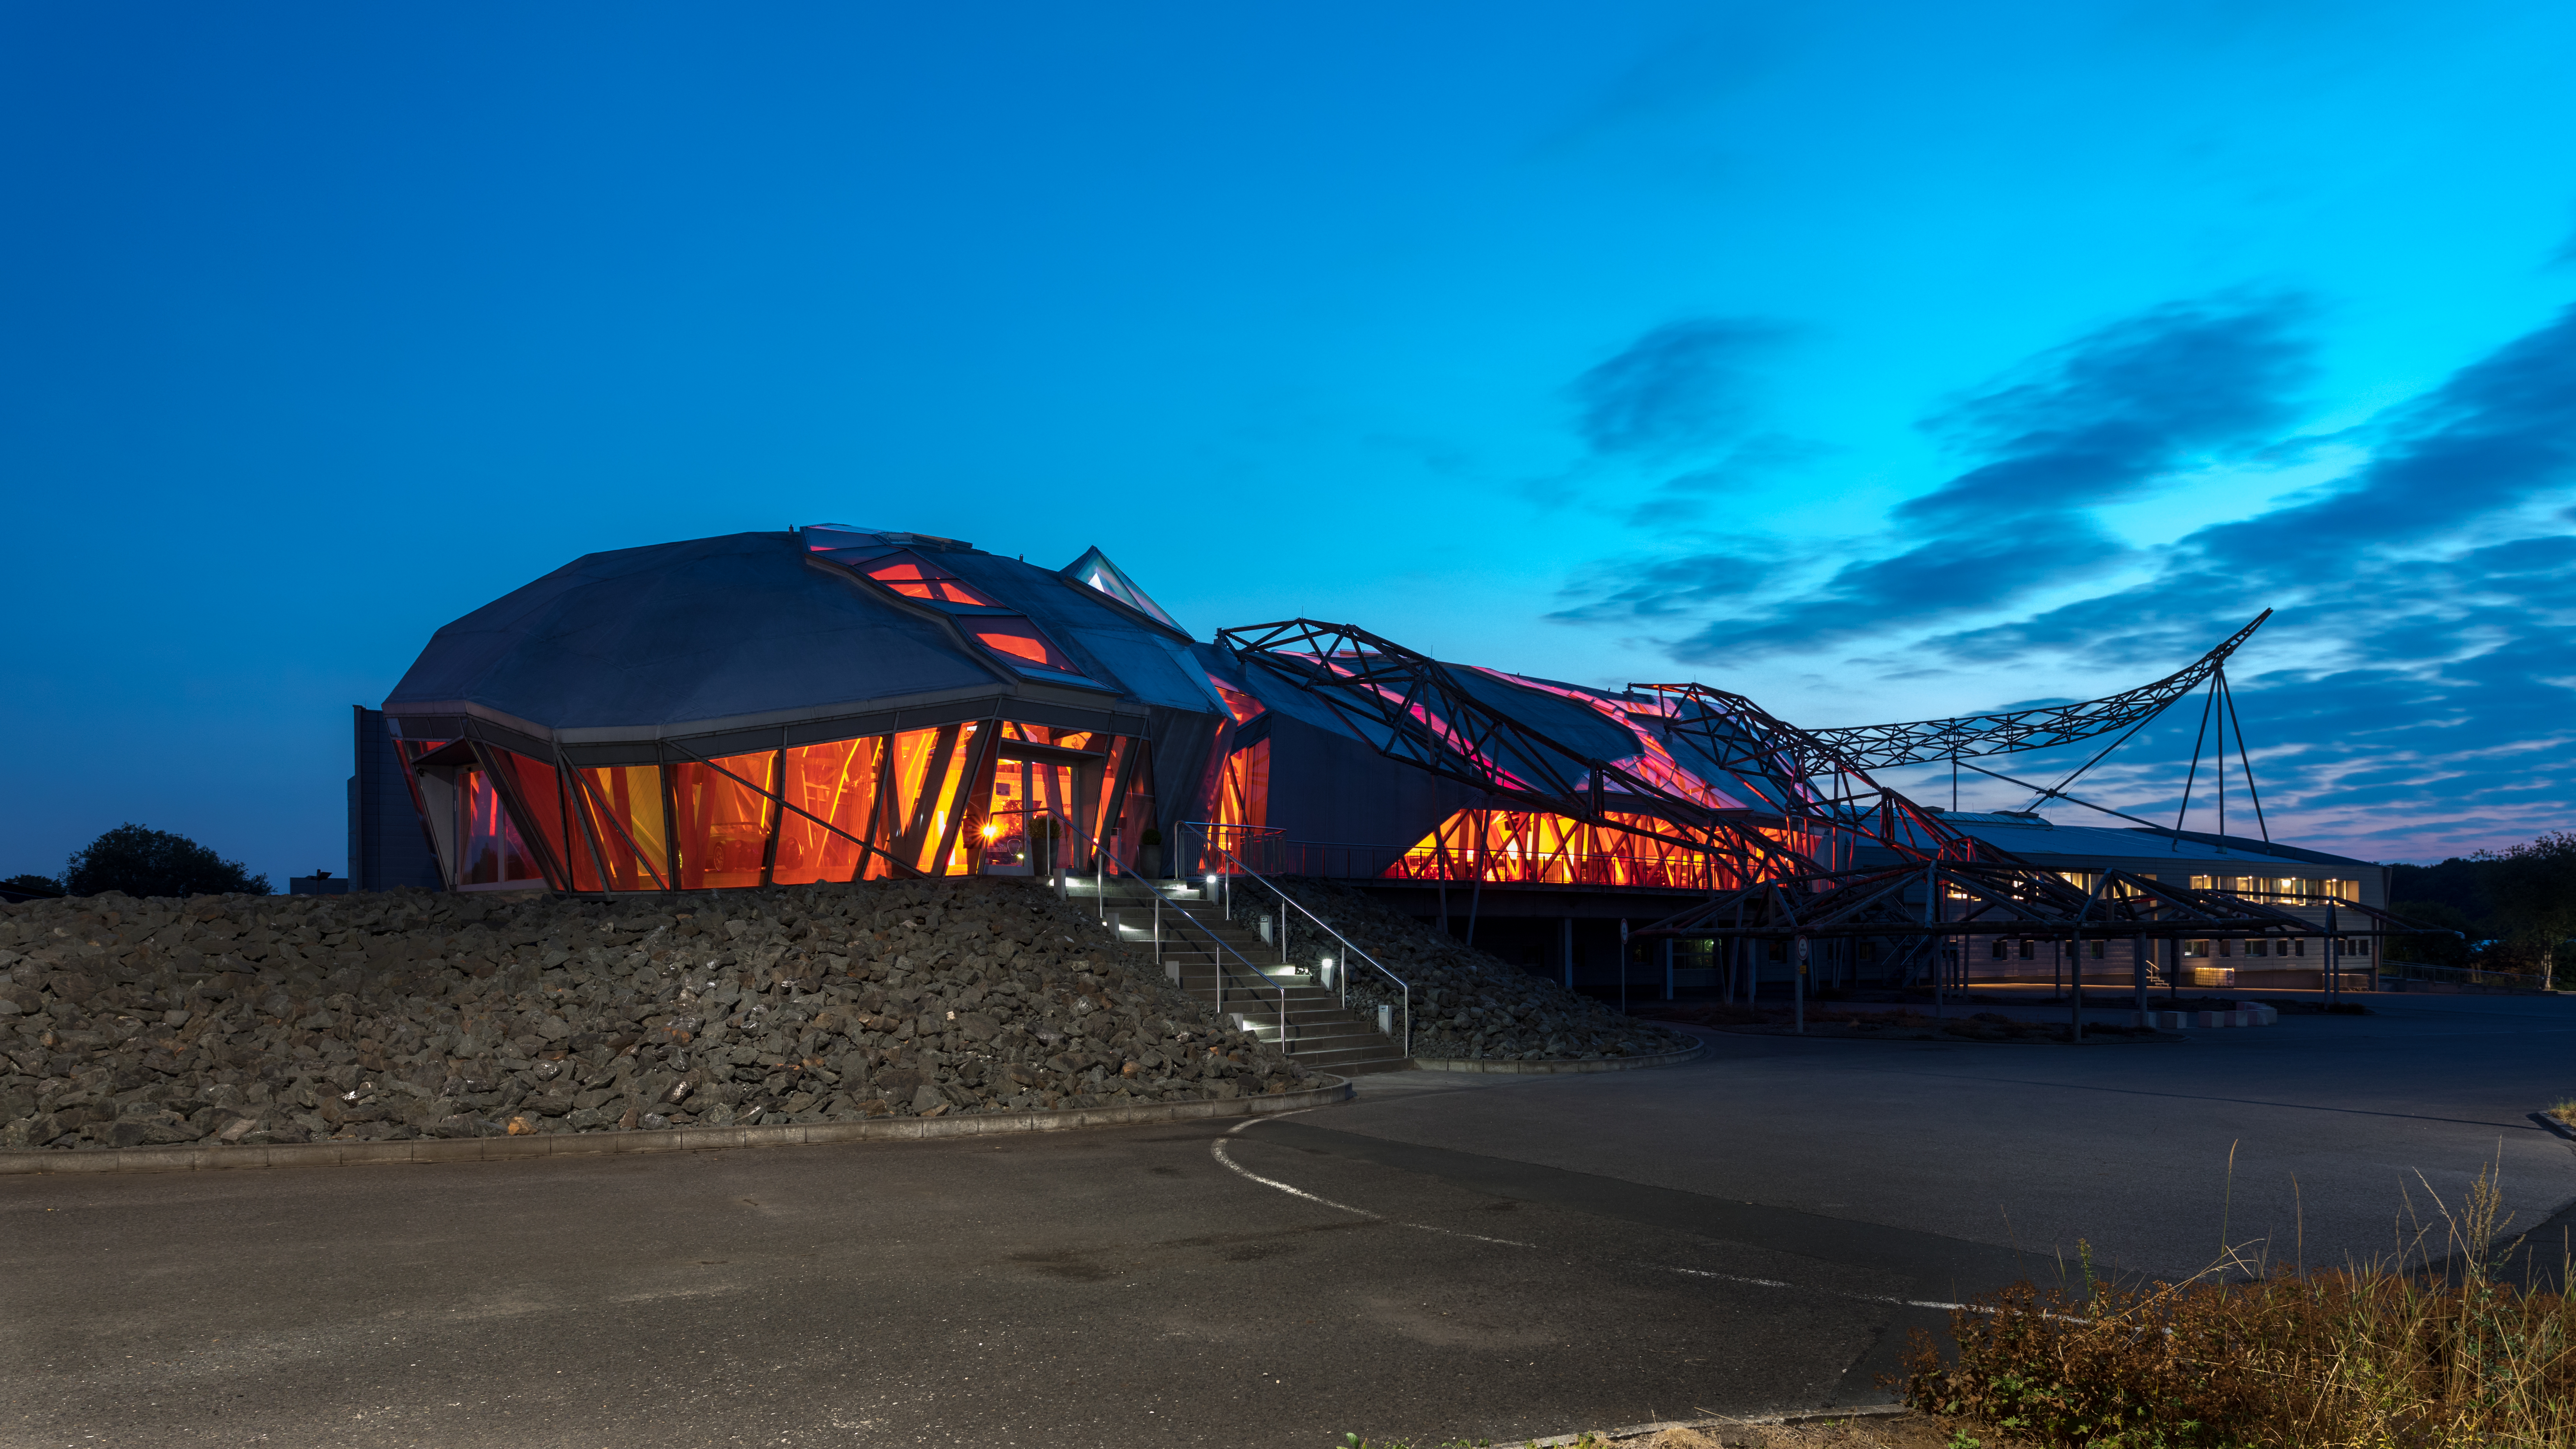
x=145 y=862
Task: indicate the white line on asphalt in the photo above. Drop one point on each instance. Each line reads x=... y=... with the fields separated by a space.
x=1835 y=1292
x=1216 y=1147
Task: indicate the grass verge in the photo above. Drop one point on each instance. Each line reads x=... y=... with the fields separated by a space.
x=1875 y=1431
x=2368 y=1355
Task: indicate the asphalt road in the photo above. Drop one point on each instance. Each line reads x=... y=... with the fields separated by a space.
x=1446 y=1256
x=2324 y=1138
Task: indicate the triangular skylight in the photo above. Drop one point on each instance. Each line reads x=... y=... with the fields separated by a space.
x=1095 y=569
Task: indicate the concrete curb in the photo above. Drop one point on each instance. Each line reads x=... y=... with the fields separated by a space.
x=2553 y=1124
x=1943 y=1038
x=190 y=1157
x=1794 y=1417
x=1510 y=1064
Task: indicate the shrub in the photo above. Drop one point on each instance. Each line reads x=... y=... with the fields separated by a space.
x=142 y=862
x=2363 y=1356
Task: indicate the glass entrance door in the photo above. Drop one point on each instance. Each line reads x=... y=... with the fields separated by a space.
x=1029 y=824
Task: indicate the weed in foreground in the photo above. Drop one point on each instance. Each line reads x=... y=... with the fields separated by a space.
x=2373 y=1355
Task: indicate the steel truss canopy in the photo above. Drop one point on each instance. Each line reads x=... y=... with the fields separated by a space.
x=1923 y=742
x=1685 y=764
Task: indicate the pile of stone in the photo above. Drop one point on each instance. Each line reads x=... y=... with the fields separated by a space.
x=264 y=1019
x=1468 y=1004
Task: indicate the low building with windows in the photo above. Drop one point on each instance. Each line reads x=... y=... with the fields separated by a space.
x=2308 y=883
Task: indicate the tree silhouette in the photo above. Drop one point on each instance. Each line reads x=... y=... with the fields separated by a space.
x=145 y=862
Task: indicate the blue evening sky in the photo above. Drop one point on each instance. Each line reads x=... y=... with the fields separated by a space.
x=1878 y=361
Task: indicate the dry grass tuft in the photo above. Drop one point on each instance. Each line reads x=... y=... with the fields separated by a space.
x=2367 y=1356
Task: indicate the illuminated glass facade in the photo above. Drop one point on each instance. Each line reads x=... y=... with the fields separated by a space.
x=842 y=703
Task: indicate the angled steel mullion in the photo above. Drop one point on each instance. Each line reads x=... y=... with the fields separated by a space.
x=783 y=803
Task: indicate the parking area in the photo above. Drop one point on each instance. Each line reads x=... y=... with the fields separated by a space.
x=1447 y=1255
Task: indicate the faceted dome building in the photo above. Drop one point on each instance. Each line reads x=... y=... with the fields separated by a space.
x=774 y=708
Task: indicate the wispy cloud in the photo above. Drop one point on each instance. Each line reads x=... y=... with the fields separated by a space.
x=2101 y=420
x=2427 y=596
x=1682 y=388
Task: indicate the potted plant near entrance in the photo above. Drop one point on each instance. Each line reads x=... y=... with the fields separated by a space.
x=1149 y=852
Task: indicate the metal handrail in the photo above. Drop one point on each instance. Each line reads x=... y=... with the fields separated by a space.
x=2459 y=975
x=1105 y=861
x=1208 y=838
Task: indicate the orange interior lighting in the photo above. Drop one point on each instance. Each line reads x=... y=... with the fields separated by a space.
x=1519 y=847
x=1019 y=641
x=909 y=576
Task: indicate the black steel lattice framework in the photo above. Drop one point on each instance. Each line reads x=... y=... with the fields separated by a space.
x=1748 y=742
x=1931 y=741
x=1416 y=710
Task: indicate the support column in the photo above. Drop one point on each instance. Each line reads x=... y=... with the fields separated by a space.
x=1798 y=982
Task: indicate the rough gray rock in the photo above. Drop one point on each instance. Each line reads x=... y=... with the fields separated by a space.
x=259 y=1019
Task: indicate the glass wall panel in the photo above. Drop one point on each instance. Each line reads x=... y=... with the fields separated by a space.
x=929 y=793
x=1244 y=793
x=625 y=806
x=1527 y=847
x=836 y=781
x=1105 y=809
x=913 y=750
x=542 y=795
x=951 y=782
x=1006 y=821
x=493 y=851
x=724 y=821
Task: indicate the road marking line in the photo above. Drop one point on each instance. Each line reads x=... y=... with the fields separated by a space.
x=1216 y=1148
x=1800 y=1287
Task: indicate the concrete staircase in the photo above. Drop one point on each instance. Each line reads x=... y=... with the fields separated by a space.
x=1322 y=1035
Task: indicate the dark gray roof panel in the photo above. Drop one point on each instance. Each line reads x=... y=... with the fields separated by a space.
x=712 y=628
x=1150 y=666
x=2040 y=837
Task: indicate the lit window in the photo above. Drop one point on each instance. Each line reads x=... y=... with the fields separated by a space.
x=2195 y=948
x=909 y=575
x=1019 y=641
